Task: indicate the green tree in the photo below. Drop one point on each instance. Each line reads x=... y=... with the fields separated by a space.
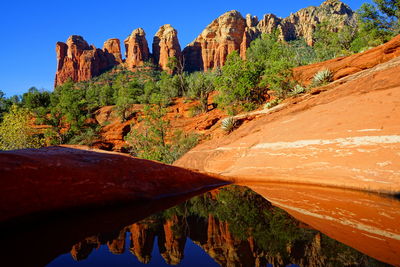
x=200 y=85
x=273 y=61
x=154 y=140
x=378 y=23
x=331 y=43
x=15 y=131
x=128 y=92
x=238 y=82
x=151 y=141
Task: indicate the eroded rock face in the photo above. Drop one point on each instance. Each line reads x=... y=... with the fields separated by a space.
x=304 y=22
x=232 y=32
x=210 y=49
x=136 y=49
x=79 y=61
x=165 y=46
x=113 y=48
x=142 y=241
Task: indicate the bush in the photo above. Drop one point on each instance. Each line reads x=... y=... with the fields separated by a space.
x=229 y=124
x=322 y=77
x=272 y=103
x=195 y=110
x=238 y=82
x=298 y=89
x=151 y=141
x=15 y=131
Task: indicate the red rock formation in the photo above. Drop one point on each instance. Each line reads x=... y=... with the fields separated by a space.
x=171 y=242
x=136 y=49
x=142 y=241
x=324 y=140
x=166 y=46
x=70 y=178
x=78 y=61
x=82 y=250
x=303 y=23
x=232 y=32
x=113 y=48
x=117 y=245
x=210 y=49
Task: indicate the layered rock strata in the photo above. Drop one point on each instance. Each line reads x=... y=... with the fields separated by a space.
x=136 y=49
x=79 y=61
x=166 y=46
x=229 y=32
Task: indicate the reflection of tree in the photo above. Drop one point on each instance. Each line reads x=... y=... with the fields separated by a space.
x=236 y=227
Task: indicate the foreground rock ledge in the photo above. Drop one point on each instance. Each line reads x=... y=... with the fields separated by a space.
x=347 y=136
x=56 y=178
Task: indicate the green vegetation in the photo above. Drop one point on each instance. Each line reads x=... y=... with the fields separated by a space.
x=15 y=132
x=151 y=142
x=229 y=124
x=322 y=77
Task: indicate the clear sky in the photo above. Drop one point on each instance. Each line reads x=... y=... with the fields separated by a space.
x=29 y=30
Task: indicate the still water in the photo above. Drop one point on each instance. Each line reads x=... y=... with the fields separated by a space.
x=229 y=226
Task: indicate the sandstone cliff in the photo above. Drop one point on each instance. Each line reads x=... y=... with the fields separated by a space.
x=229 y=32
x=112 y=48
x=210 y=49
x=136 y=49
x=165 y=46
x=80 y=62
x=232 y=32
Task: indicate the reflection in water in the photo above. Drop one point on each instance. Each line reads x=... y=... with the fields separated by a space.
x=234 y=226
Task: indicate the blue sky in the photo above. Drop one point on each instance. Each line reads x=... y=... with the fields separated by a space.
x=29 y=30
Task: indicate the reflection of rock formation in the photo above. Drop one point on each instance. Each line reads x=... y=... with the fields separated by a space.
x=142 y=241
x=275 y=239
x=117 y=245
x=83 y=249
x=172 y=240
x=222 y=246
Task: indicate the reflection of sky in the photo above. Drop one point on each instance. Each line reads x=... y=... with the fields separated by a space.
x=193 y=256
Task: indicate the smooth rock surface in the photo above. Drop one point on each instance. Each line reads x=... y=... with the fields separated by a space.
x=347 y=136
x=57 y=178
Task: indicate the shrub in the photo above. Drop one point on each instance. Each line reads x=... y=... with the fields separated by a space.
x=195 y=110
x=298 y=89
x=229 y=124
x=15 y=131
x=322 y=77
x=272 y=103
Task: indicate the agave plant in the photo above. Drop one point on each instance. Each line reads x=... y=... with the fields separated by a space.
x=272 y=103
x=322 y=77
x=298 y=89
x=229 y=124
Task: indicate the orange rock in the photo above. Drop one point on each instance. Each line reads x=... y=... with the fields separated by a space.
x=210 y=49
x=344 y=66
x=113 y=48
x=69 y=178
x=142 y=241
x=78 y=61
x=166 y=46
x=136 y=49
x=347 y=136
